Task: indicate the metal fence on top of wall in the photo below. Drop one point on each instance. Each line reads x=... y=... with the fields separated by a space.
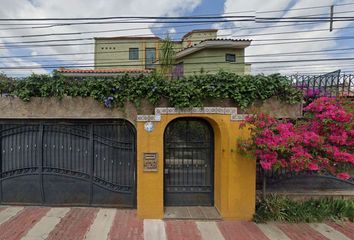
x=329 y=84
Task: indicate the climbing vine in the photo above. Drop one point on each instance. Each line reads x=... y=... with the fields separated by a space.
x=184 y=92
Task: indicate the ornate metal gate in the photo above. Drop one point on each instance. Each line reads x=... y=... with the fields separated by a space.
x=188 y=157
x=68 y=163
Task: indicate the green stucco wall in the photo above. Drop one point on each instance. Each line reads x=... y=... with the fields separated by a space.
x=213 y=60
x=114 y=53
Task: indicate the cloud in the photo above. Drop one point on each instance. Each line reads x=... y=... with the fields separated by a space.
x=172 y=30
x=269 y=31
x=77 y=8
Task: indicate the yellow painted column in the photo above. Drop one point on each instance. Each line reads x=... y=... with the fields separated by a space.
x=149 y=184
x=241 y=182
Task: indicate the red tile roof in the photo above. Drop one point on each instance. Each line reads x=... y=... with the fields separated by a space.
x=108 y=70
x=127 y=37
x=227 y=39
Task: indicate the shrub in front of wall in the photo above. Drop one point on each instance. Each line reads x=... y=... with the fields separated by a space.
x=283 y=209
x=181 y=93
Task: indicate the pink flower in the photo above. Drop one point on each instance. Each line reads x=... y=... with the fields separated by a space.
x=266 y=165
x=351 y=133
x=343 y=156
x=339 y=138
x=343 y=175
x=267 y=133
x=311 y=138
x=267 y=156
x=313 y=166
x=301 y=152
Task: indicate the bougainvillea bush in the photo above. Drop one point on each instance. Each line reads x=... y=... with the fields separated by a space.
x=322 y=141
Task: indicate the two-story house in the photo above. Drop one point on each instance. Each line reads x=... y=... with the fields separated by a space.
x=202 y=51
x=198 y=51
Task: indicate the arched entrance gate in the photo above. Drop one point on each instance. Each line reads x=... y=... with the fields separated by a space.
x=188 y=163
x=190 y=157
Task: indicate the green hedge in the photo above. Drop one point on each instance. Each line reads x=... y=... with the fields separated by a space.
x=281 y=208
x=183 y=92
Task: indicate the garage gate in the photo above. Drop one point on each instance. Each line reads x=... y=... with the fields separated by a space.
x=68 y=163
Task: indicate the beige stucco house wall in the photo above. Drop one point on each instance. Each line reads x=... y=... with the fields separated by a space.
x=114 y=52
x=198 y=51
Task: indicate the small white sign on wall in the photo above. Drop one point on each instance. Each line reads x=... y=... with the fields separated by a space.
x=149 y=126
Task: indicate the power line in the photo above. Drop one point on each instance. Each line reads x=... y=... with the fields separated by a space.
x=129 y=29
x=189 y=25
x=282 y=10
x=194 y=63
x=131 y=35
x=122 y=61
x=215 y=19
x=343 y=67
x=256 y=20
x=288 y=41
x=115 y=42
x=306 y=66
x=125 y=51
x=112 y=60
x=207 y=16
x=23 y=28
x=306 y=8
x=265 y=44
x=249 y=55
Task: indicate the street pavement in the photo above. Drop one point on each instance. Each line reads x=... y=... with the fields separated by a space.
x=38 y=223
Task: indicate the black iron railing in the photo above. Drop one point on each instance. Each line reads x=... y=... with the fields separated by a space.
x=329 y=85
x=274 y=177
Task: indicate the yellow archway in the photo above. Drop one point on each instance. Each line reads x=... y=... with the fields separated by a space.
x=234 y=174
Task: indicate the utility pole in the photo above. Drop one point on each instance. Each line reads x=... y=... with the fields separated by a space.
x=331 y=19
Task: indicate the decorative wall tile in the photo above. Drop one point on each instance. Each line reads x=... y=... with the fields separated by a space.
x=195 y=110
x=147 y=118
x=157 y=117
x=171 y=110
x=229 y=110
x=210 y=110
x=184 y=111
x=160 y=111
x=220 y=110
x=238 y=117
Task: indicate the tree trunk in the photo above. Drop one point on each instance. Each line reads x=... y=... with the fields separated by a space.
x=264 y=183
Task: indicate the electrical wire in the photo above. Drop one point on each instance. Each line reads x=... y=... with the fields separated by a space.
x=194 y=63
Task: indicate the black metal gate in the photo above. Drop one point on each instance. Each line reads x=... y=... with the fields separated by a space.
x=189 y=164
x=68 y=163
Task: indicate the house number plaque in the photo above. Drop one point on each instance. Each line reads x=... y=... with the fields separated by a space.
x=150 y=162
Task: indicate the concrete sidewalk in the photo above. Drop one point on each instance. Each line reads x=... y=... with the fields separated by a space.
x=32 y=223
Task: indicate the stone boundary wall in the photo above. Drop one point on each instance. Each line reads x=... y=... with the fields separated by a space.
x=88 y=108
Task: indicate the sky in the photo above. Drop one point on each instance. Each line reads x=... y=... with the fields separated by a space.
x=272 y=43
